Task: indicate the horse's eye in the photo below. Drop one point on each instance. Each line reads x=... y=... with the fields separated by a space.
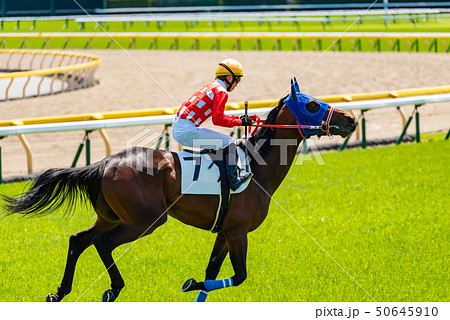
x=312 y=106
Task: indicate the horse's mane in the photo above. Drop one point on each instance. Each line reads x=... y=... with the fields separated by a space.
x=267 y=133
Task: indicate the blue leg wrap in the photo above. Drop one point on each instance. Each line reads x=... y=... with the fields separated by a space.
x=211 y=285
x=202 y=295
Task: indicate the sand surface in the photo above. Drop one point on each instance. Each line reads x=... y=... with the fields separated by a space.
x=153 y=79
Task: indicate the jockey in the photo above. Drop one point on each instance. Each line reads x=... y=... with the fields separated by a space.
x=209 y=102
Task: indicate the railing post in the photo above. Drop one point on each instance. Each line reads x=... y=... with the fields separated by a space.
x=158 y=144
x=399 y=140
x=77 y=155
x=164 y=134
x=363 y=127
x=417 y=124
x=88 y=148
x=344 y=144
x=106 y=141
x=86 y=141
x=27 y=148
x=402 y=115
x=167 y=137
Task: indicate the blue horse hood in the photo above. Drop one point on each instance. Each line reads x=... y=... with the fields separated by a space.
x=296 y=102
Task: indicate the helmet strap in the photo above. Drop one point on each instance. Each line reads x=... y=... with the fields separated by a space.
x=229 y=84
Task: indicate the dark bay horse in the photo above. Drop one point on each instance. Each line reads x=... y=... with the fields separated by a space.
x=132 y=203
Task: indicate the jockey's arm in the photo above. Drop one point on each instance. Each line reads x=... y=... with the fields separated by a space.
x=219 y=118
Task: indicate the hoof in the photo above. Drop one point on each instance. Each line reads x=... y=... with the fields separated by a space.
x=108 y=296
x=51 y=298
x=189 y=285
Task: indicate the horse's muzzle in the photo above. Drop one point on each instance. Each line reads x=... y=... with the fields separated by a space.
x=352 y=124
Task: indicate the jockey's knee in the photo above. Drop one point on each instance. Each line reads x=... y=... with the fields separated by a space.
x=239 y=278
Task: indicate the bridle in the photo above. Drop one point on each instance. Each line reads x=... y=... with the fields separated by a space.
x=325 y=126
x=326 y=123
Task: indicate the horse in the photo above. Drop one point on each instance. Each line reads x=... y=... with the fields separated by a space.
x=131 y=203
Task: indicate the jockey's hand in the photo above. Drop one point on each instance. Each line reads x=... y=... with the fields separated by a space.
x=246 y=121
x=254 y=117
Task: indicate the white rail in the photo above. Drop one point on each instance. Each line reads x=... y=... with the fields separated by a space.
x=155 y=120
x=256 y=16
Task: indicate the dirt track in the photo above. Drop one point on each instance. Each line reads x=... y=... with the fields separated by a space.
x=124 y=86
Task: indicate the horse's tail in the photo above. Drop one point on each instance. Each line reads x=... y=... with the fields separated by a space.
x=54 y=187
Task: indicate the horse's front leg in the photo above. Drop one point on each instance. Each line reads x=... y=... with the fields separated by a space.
x=218 y=254
x=237 y=245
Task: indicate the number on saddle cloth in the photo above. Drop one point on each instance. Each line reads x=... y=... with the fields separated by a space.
x=201 y=172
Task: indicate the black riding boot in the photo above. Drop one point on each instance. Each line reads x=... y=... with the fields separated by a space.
x=234 y=179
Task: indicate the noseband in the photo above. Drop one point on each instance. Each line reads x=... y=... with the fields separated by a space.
x=325 y=124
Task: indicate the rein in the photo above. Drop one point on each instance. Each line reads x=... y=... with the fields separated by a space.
x=298 y=126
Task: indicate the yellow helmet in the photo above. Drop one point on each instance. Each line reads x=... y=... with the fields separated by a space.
x=232 y=65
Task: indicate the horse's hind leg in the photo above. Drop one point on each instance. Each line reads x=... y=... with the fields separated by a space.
x=77 y=244
x=106 y=242
x=81 y=241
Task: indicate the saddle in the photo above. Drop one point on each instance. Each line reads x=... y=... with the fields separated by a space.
x=204 y=173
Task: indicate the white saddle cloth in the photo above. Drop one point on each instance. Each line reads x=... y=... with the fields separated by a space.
x=200 y=176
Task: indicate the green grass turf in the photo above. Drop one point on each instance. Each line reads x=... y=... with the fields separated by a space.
x=431 y=137
x=381 y=213
x=440 y=24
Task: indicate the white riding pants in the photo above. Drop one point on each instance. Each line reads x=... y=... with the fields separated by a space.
x=187 y=134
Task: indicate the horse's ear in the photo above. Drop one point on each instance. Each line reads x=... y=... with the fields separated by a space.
x=297 y=88
x=293 y=91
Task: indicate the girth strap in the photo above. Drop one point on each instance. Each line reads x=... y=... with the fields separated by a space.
x=224 y=198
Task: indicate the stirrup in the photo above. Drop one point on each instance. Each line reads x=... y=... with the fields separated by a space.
x=240 y=180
